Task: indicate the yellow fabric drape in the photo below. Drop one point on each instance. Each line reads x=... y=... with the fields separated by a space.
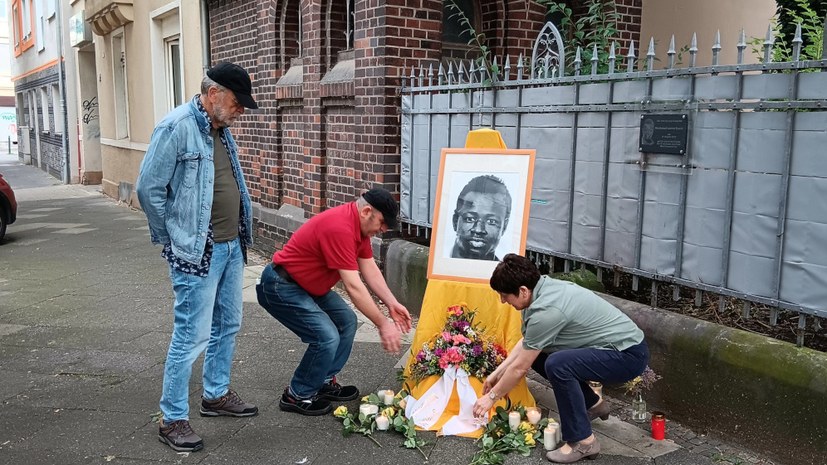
x=499 y=321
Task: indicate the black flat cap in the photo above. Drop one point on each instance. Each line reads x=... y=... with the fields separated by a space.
x=235 y=78
x=383 y=201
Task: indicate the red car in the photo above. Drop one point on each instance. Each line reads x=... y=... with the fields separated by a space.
x=8 y=206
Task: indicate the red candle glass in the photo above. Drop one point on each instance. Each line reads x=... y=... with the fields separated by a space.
x=658 y=425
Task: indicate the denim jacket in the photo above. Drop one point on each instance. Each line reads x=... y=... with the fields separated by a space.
x=175 y=183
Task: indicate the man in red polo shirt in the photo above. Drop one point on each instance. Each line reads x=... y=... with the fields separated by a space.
x=296 y=290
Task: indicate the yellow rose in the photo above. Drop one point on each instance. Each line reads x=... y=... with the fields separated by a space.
x=340 y=412
x=529 y=439
x=389 y=412
x=365 y=399
x=526 y=427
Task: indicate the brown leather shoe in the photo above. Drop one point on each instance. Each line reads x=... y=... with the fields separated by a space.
x=179 y=436
x=599 y=410
x=579 y=451
x=229 y=405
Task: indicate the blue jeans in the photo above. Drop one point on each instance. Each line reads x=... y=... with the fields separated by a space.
x=569 y=372
x=326 y=324
x=207 y=316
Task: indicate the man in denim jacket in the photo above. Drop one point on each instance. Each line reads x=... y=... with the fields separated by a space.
x=192 y=190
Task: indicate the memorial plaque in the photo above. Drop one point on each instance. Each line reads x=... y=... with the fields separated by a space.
x=664 y=133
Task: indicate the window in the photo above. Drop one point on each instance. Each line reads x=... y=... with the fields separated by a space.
x=167 y=53
x=41 y=26
x=21 y=11
x=45 y=124
x=455 y=31
x=3 y=10
x=119 y=84
x=175 y=80
x=31 y=121
x=351 y=22
x=57 y=109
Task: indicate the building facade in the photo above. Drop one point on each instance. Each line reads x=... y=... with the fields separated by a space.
x=140 y=60
x=8 y=115
x=41 y=86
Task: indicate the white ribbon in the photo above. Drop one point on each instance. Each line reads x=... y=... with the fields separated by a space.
x=428 y=409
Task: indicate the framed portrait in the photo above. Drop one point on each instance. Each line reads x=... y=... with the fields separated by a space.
x=480 y=211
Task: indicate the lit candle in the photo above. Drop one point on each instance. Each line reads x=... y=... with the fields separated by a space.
x=550 y=436
x=514 y=420
x=365 y=409
x=533 y=415
x=382 y=423
x=381 y=394
x=388 y=397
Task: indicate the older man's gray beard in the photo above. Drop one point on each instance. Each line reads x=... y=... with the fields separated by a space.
x=223 y=117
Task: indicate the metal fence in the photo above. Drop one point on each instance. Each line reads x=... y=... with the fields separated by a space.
x=742 y=212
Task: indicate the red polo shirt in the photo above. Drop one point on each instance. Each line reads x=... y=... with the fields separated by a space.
x=328 y=242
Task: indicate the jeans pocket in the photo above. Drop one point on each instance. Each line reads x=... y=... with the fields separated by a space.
x=262 y=299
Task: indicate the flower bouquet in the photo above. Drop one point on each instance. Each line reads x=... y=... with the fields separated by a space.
x=635 y=388
x=460 y=356
x=460 y=344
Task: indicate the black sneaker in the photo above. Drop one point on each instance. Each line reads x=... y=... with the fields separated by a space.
x=337 y=393
x=179 y=436
x=311 y=407
x=229 y=405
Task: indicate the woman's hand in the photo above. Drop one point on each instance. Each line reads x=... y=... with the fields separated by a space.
x=482 y=406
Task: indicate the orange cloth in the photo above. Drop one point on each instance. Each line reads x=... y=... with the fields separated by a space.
x=501 y=322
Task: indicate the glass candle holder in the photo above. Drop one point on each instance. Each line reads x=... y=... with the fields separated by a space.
x=639 y=409
x=658 y=426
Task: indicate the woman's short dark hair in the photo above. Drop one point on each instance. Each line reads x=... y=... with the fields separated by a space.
x=511 y=273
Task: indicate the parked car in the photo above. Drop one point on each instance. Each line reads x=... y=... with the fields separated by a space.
x=8 y=206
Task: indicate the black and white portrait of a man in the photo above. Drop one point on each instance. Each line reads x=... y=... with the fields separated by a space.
x=480 y=218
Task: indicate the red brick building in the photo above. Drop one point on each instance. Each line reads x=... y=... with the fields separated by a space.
x=327 y=74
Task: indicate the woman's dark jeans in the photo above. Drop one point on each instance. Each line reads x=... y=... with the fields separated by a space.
x=569 y=372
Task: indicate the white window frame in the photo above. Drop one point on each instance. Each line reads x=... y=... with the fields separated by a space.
x=57 y=108
x=174 y=72
x=165 y=31
x=120 y=84
x=45 y=121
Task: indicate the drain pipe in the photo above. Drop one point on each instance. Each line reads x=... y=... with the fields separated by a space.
x=205 y=37
x=67 y=176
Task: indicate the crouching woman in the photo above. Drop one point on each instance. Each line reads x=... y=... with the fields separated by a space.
x=570 y=336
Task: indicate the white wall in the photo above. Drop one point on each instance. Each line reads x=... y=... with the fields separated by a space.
x=662 y=18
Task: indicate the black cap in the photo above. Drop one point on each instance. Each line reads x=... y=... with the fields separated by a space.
x=383 y=201
x=233 y=77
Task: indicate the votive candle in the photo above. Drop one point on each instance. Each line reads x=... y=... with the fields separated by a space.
x=514 y=420
x=373 y=408
x=550 y=436
x=533 y=415
x=387 y=398
x=382 y=423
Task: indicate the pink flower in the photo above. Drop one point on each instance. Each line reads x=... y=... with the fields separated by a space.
x=451 y=356
x=455 y=310
x=447 y=336
x=460 y=339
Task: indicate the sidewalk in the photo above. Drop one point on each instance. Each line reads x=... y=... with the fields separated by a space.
x=84 y=326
